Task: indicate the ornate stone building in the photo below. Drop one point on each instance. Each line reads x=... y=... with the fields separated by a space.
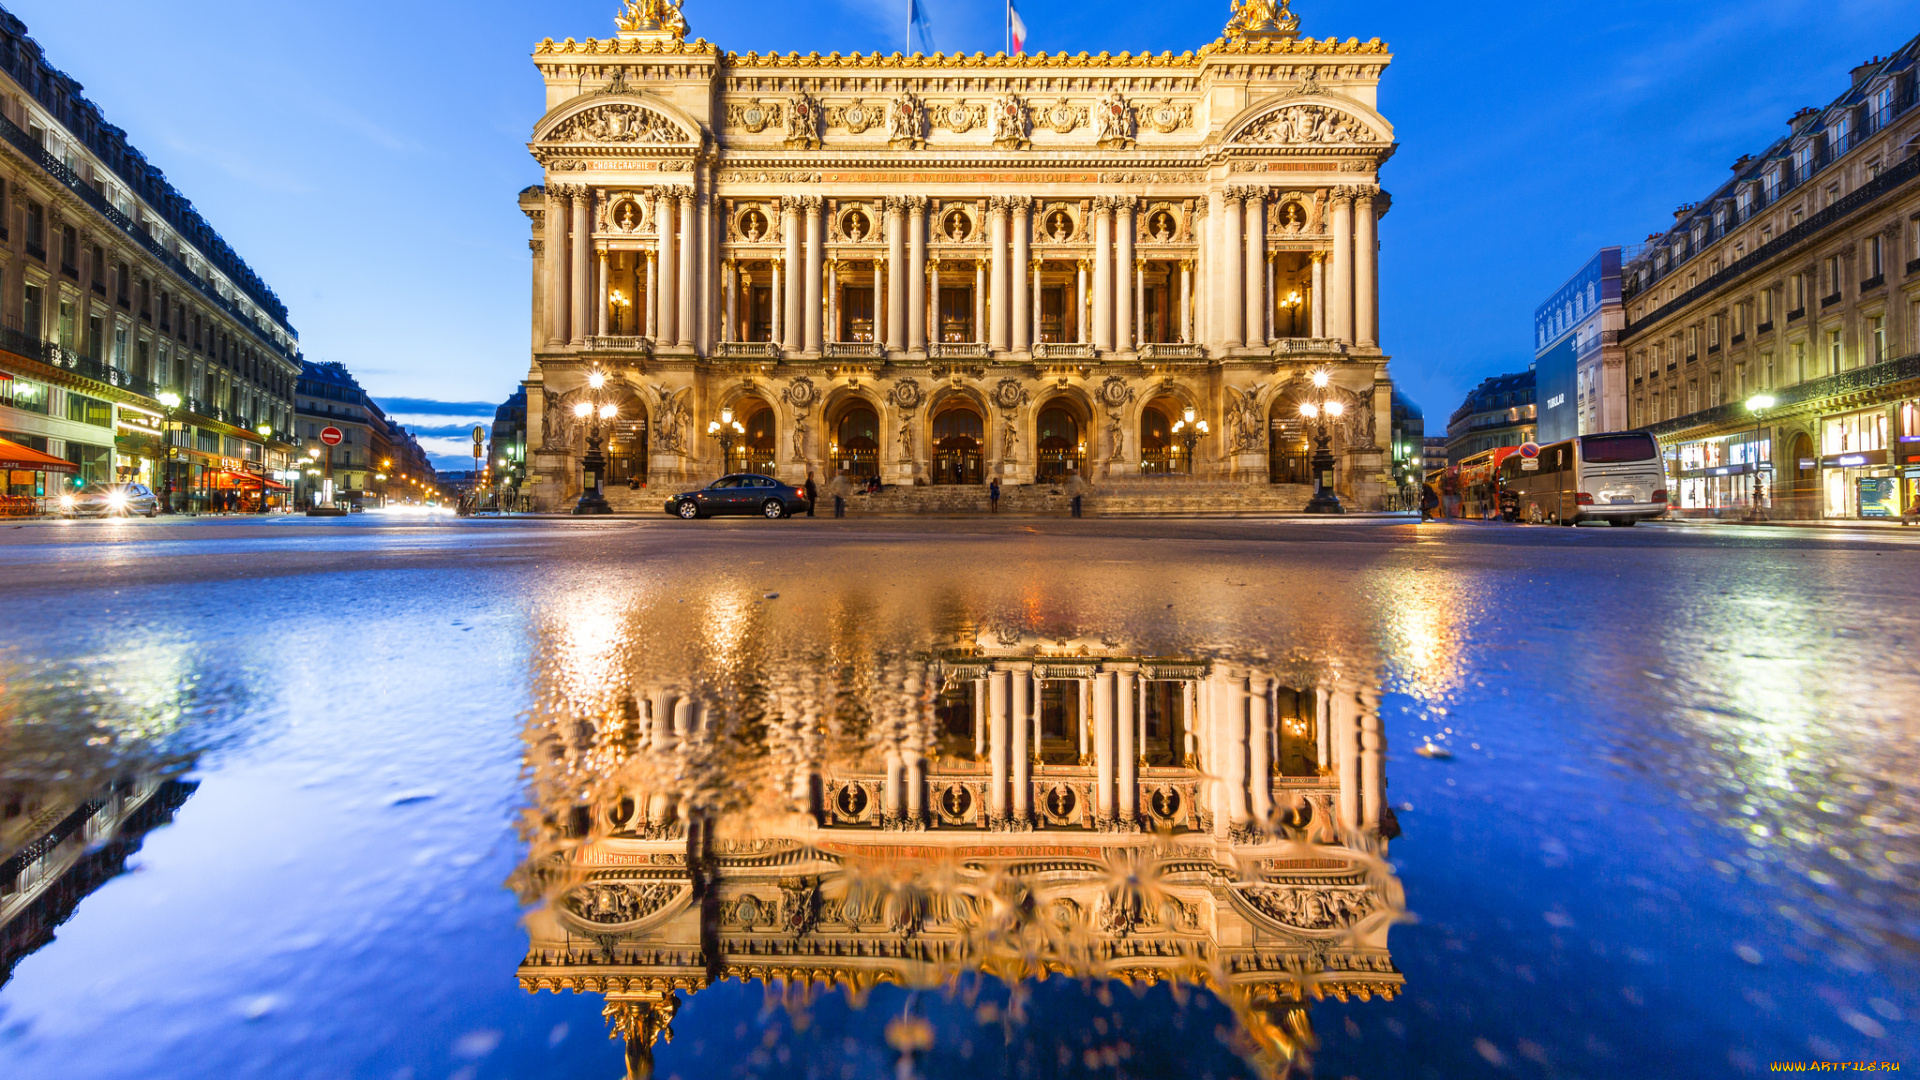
x=941 y=269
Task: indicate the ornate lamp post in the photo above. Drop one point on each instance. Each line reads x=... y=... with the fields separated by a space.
x=593 y=500
x=724 y=429
x=1318 y=407
x=171 y=401
x=1758 y=405
x=1292 y=304
x=1190 y=431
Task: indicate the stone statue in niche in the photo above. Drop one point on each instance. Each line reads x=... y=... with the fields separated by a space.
x=906 y=121
x=1009 y=443
x=628 y=220
x=1115 y=121
x=856 y=226
x=1162 y=227
x=1060 y=226
x=754 y=225
x=958 y=227
x=1292 y=218
x=906 y=438
x=803 y=123
x=1010 y=123
x=1116 y=437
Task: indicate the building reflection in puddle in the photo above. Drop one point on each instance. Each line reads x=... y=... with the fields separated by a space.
x=927 y=809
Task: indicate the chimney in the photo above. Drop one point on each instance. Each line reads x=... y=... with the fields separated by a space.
x=1794 y=121
x=1860 y=73
x=1683 y=210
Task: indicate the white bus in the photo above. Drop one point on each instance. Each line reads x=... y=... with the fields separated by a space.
x=1618 y=478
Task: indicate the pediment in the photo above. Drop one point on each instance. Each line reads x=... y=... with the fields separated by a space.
x=617 y=121
x=1309 y=120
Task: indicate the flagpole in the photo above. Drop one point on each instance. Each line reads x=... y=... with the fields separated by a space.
x=1009 y=27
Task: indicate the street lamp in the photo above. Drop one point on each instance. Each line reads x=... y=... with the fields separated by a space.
x=171 y=402
x=725 y=429
x=1190 y=432
x=1318 y=407
x=1292 y=304
x=1758 y=404
x=593 y=500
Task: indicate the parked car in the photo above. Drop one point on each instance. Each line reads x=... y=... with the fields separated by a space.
x=110 y=500
x=739 y=493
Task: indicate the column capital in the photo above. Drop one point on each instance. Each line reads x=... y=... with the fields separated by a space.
x=1318 y=255
x=917 y=204
x=1022 y=202
x=811 y=204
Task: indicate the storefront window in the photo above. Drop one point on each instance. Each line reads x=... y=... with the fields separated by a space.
x=1855 y=433
x=24 y=394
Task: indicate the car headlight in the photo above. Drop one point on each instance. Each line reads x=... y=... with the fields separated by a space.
x=117 y=500
x=66 y=500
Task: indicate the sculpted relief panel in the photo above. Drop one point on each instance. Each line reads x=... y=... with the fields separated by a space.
x=1303 y=125
x=617 y=124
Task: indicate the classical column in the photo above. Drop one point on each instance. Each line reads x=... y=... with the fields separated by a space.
x=1103 y=745
x=1000 y=288
x=1127 y=753
x=816 y=256
x=979 y=300
x=688 y=290
x=896 y=277
x=1373 y=751
x=916 y=271
x=1022 y=710
x=1103 y=274
x=1123 y=230
x=1080 y=301
x=1213 y=752
x=555 y=261
x=1273 y=299
x=1023 y=330
x=1260 y=742
x=933 y=274
x=1256 y=280
x=1340 y=289
x=1233 y=276
x=1346 y=759
x=999 y=691
x=1323 y=728
x=1084 y=688
x=1319 y=287
x=1235 y=715
x=653 y=282
x=979 y=718
x=1033 y=327
x=893 y=801
x=663 y=225
x=778 y=302
x=916 y=786
x=1365 y=250
x=879 y=294
x=600 y=291
x=730 y=281
x=580 y=287
x=794 y=301
x=1033 y=722
x=1186 y=301
x=1139 y=303
x=832 y=268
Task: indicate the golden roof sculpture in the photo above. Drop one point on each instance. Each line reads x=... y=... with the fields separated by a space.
x=1261 y=20
x=651 y=20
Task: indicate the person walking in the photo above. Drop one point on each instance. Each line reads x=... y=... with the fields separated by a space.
x=993 y=495
x=813 y=493
x=1428 y=500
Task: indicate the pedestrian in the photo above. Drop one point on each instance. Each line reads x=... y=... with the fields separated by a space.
x=993 y=495
x=813 y=493
x=1428 y=500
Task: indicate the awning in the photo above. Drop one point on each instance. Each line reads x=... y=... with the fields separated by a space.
x=27 y=459
x=252 y=479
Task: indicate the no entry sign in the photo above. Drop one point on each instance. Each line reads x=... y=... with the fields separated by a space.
x=330 y=435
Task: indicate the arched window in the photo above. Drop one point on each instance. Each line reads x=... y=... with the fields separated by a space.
x=856 y=446
x=755 y=450
x=1057 y=438
x=1159 y=452
x=957 y=436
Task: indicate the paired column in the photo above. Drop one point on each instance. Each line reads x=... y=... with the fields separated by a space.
x=1260 y=747
x=1103 y=274
x=1123 y=230
x=1081 y=301
x=1346 y=759
x=1340 y=268
x=999 y=316
x=600 y=292
x=1319 y=294
x=1256 y=268
x=999 y=734
x=1023 y=307
x=1234 y=716
x=651 y=312
x=663 y=224
x=896 y=276
x=778 y=303
x=1125 y=693
x=816 y=255
x=916 y=273
x=687 y=292
x=1235 y=273
x=879 y=294
x=1022 y=738
x=580 y=287
x=556 y=264
x=1105 y=746
x=794 y=301
x=1186 y=301
x=979 y=299
x=1365 y=281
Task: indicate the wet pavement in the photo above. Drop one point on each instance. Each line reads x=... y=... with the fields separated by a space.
x=425 y=798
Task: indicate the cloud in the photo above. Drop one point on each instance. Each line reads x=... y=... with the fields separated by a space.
x=434 y=407
x=443 y=431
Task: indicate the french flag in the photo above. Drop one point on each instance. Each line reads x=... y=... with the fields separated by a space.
x=1016 y=30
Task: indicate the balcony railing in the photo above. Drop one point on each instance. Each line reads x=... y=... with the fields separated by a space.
x=619 y=344
x=1859 y=380
x=1285 y=347
x=853 y=350
x=54 y=356
x=1050 y=350
x=748 y=350
x=1170 y=350
x=963 y=350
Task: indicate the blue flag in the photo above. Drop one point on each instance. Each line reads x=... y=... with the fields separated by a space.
x=919 y=28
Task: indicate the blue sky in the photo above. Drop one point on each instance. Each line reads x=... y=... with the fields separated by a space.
x=364 y=157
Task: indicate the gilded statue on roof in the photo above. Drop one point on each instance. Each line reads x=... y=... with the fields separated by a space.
x=652 y=18
x=1262 y=19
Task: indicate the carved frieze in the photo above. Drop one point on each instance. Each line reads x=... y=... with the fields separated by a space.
x=1063 y=117
x=1306 y=125
x=754 y=115
x=1166 y=117
x=1313 y=907
x=617 y=903
x=618 y=123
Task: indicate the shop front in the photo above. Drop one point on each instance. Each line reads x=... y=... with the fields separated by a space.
x=1726 y=475
x=1907 y=457
x=1857 y=472
x=28 y=474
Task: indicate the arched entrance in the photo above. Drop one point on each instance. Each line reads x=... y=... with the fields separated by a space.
x=1159 y=449
x=958 y=434
x=1060 y=448
x=1289 y=450
x=753 y=449
x=1804 y=469
x=856 y=442
x=627 y=445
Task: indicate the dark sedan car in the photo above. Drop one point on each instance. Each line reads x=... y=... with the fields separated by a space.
x=740 y=493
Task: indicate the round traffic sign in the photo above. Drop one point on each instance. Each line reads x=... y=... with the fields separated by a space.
x=1530 y=450
x=330 y=435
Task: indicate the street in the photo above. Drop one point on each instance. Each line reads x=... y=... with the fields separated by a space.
x=1655 y=789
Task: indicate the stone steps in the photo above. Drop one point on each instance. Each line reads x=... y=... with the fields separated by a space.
x=1107 y=499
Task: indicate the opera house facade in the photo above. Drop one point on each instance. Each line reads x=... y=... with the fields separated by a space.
x=939 y=270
